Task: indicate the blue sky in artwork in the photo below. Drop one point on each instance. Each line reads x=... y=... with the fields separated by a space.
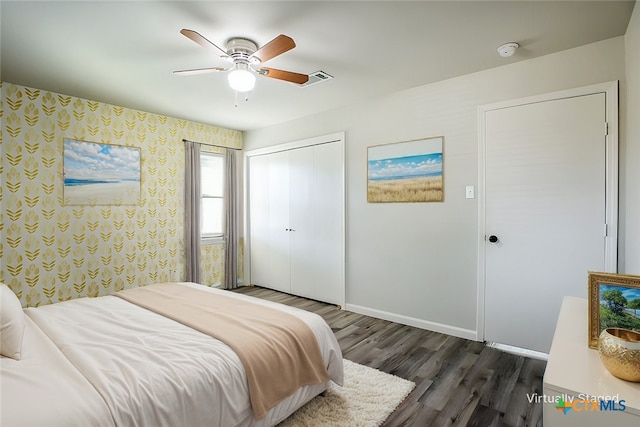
x=406 y=167
x=93 y=161
x=410 y=159
x=629 y=293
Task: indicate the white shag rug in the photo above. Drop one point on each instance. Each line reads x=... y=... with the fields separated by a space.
x=366 y=399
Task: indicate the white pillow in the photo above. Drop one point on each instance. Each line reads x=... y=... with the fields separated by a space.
x=11 y=323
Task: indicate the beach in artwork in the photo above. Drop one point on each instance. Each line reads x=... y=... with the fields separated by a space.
x=100 y=174
x=406 y=172
x=121 y=192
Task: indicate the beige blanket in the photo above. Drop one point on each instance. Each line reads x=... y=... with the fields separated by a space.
x=278 y=351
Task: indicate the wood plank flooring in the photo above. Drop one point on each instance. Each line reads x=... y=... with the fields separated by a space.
x=458 y=382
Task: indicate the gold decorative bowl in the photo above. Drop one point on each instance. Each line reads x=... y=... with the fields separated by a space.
x=620 y=353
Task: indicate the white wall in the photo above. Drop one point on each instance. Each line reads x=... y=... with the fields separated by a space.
x=630 y=153
x=418 y=262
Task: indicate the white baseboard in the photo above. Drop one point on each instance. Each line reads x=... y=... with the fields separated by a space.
x=519 y=351
x=411 y=321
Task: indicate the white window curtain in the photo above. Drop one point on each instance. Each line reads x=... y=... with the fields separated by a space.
x=192 y=194
x=231 y=221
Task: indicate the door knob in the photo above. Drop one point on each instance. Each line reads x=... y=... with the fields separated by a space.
x=493 y=238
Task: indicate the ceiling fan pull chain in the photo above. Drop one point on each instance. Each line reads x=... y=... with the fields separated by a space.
x=246 y=98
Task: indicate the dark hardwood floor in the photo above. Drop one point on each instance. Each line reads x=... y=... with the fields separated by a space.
x=458 y=382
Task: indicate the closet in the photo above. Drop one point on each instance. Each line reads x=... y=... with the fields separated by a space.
x=295 y=218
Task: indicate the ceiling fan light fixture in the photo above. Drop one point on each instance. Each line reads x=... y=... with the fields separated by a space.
x=242 y=79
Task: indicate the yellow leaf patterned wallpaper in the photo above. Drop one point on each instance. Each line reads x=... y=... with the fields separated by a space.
x=51 y=252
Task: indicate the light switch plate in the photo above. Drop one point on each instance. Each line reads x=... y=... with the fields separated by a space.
x=470 y=192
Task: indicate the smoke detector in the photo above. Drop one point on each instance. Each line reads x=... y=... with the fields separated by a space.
x=507 y=49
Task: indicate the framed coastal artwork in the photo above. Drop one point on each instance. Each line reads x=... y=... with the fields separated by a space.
x=405 y=172
x=100 y=174
x=614 y=302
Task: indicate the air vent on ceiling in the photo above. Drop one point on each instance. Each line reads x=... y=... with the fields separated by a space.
x=317 y=77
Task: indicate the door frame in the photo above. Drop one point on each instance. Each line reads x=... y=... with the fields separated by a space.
x=318 y=140
x=610 y=89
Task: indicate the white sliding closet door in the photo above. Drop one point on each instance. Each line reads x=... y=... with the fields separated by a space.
x=259 y=226
x=302 y=233
x=317 y=214
x=278 y=194
x=296 y=219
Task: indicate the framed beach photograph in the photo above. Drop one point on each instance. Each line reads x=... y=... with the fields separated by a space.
x=408 y=171
x=614 y=302
x=100 y=174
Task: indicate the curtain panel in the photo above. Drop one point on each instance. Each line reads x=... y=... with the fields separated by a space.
x=192 y=195
x=231 y=221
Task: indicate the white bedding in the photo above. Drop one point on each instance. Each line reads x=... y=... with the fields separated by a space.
x=44 y=389
x=150 y=370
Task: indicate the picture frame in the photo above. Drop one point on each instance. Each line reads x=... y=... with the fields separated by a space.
x=614 y=302
x=100 y=174
x=406 y=172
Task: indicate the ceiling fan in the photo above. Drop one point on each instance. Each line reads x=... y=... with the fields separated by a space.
x=246 y=59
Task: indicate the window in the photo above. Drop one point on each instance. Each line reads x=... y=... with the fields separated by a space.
x=212 y=201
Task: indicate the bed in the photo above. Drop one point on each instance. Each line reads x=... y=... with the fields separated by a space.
x=109 y=362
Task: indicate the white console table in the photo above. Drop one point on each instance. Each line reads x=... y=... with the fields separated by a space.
x=575 y=370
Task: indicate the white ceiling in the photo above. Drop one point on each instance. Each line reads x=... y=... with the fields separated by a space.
x=124 y=52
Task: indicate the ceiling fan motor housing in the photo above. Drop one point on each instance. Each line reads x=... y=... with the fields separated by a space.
x=240 y=50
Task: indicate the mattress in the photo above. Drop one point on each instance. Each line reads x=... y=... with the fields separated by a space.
x=104 y=361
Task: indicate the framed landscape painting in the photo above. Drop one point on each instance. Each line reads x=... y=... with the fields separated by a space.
x=408 y=171
x=100 y=174
x=614 y=302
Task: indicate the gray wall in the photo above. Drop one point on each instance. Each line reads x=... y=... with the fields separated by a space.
x=417 y=263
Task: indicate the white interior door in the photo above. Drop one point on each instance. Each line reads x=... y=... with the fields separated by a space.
x=545 y=205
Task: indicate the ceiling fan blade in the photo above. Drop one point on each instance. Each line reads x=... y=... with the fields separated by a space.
x=199 y=71
x=275 y=47
x=288 y=76
x=202 y=41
